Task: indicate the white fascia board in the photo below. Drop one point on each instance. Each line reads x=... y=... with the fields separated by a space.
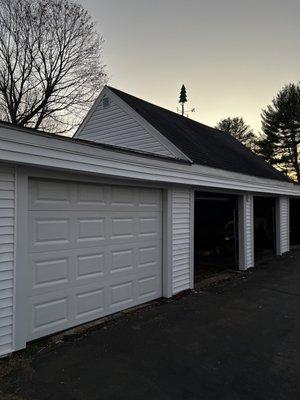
x=90 y=112
x=23 y=147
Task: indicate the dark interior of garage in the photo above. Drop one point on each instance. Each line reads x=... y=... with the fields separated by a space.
x=295 y=222
x=216 y=234
x=264 y=227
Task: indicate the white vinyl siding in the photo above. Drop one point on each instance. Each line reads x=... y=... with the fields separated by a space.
x=283 y=225
x=112 y=125
x=246 y=232
x=182 y=240
x=7 y=205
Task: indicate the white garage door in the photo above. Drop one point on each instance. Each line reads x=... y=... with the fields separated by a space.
x=93 y=250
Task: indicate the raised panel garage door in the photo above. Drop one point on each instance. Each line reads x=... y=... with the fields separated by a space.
x=93 y=250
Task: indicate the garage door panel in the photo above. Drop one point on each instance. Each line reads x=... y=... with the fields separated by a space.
x=49 y=314
x=122 y=261
x=90 y=230
x=123 y=198
x=149 y=199
x=148 y=256
x=121 y=294
x=147 y=287
x=122 y=227
x=56 y=230
x=54 y=311
x=93 y=250
x=136 y=258
x=45 y=194
x=90 y=302
x=55 y=270
x=136 y=227
x=93 y=196
x=91 y=265
x=50 y=272
x=49 y=231
x=148 y=226
x=61 y=195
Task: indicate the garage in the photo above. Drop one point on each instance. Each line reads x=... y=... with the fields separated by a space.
x=90 y=229
x=216 y=233
x=295 y=222
x=264 y=227
x=93 y=250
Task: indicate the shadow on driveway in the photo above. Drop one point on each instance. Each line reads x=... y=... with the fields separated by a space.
x=237 y=340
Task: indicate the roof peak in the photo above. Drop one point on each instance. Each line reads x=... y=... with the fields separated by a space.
x=116 y=91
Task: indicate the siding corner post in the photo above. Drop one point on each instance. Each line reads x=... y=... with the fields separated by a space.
x=7 y=257
x=282 y=225
x=246 y=231
x=167 y=243
x=192 y=233
x=21 y=278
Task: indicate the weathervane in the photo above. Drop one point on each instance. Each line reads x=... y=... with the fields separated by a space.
x=182 y=101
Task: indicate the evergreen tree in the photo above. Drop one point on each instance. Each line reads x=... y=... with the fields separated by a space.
x=183 y=96
x=280 y=141
x=238 y=128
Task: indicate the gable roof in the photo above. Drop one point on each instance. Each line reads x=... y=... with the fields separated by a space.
x=202 y=144
x=112 y=121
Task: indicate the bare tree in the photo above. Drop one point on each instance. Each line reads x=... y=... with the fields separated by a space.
x=50 y=63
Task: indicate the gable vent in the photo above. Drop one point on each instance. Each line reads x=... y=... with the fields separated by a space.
x=105 y=102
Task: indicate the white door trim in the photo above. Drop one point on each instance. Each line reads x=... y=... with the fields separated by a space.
x=21 y=278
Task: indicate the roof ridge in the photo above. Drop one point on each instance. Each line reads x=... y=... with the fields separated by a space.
x=116 y=91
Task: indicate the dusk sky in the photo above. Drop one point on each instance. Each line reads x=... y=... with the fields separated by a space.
x=232 y=55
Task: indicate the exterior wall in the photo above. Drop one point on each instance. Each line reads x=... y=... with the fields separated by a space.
x=7 y=205
x=282 y=225
x=182 y=239
x=112 y=125
x=178 y=241
x=246 y=232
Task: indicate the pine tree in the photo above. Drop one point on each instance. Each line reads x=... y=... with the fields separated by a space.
x=238 y=128
x=280 y=141
x=182 y=98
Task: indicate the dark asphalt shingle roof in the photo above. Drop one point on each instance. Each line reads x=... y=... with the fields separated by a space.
x=202 y=144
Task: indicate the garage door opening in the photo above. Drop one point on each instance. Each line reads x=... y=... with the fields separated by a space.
x=216 y=234
x=295 y=223
x=93 y=250
x=264 y=227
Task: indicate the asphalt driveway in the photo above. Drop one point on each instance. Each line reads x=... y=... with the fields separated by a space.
x=237 y=340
